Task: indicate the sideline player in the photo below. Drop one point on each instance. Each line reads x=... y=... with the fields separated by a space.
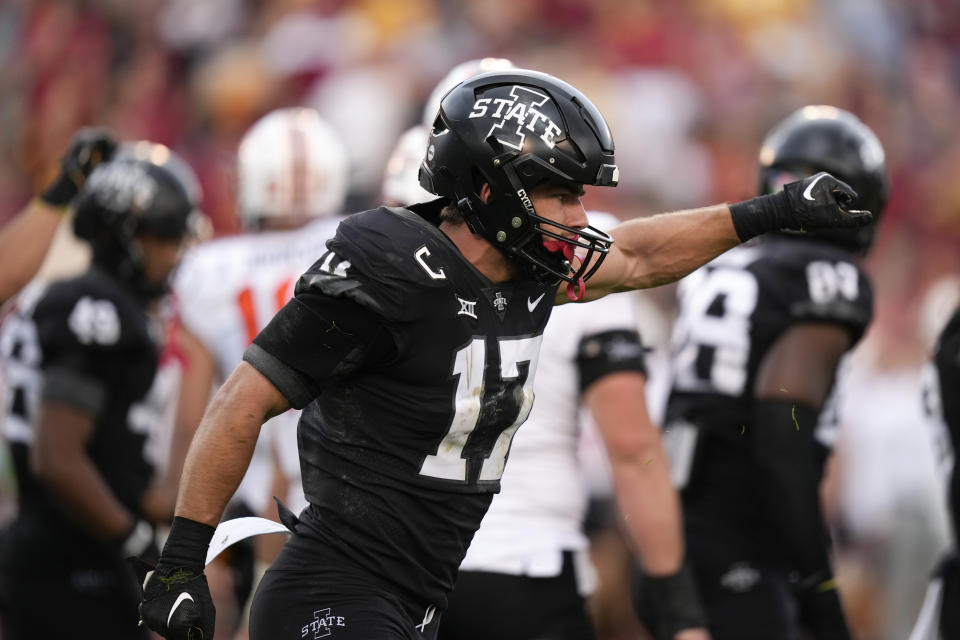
x=759 y=335
x=81 y=357
x=413 y=343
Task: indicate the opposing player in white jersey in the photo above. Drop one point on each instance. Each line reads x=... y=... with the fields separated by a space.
x=527 y=571
x=528 y=563
x=292 y=180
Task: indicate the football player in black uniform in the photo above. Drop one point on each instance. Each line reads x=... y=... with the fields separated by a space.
x=25 y=239
x=940 y=614
x=80 y=354
x=412 y=346
x=760 y=333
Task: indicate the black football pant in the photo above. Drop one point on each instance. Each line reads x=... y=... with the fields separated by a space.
x=743 y=599
x=64 y=592
x=293 y=605
x=494 y=605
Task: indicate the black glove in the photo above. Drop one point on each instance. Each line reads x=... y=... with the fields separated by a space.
x=668 y=604
x=817 y=202
x=89 y=148
x=820 y=610
x=176 y=599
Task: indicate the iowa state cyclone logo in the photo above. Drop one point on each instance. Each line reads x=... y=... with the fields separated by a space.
x=513 y=117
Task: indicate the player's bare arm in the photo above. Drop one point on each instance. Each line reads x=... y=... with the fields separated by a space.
x=25 y=240
x=59 y=458
x=24 y=243
x=646 y=498
x=800 y=366
x=653 y=251
x=224 y=442
x=648 y=503
x=648 y=252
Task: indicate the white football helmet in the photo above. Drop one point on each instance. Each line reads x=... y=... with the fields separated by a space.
x=401 y=184
x=292 y=166
x=455 y=76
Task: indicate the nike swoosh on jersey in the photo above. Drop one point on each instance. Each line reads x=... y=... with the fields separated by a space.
x=532 y=304
x=176 y=603
x=809 y=189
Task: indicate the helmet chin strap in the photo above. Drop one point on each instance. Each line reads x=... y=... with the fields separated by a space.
x=574 y=291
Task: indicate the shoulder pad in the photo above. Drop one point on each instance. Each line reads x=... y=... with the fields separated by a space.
x=386 y=259
x=818 y=283
x=89 y=312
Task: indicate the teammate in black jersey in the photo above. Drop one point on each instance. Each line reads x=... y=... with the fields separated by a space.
x=79 y=356
x=412 y=346
x=939 y=616
x=760 y=333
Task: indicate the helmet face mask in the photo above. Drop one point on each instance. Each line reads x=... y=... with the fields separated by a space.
x=515 y=130
x=823 y=138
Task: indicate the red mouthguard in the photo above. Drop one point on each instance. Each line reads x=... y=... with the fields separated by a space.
x=575 y=291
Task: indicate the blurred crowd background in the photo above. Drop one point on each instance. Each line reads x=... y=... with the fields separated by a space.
x=689 y=88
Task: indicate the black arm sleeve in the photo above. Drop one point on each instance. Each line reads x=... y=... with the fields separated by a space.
x=63 y=385
x=599 y=354
x=785 y=455
x=788 y=485
x=315 y=338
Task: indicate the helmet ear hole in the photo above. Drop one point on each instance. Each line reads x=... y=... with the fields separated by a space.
x=478 y=179
x=439 y=126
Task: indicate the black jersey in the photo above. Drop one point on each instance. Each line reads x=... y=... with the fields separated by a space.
x=942 y=402
x=731 y=312
x=85 y=342
x=402 y=445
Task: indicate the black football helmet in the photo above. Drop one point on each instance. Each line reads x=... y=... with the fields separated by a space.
x=516 y=129
x=823 y=138
x=125 y=198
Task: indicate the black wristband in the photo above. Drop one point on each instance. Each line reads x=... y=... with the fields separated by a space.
x=187 y=544
x=759 y=215
x=61 y=192
x=675 y=601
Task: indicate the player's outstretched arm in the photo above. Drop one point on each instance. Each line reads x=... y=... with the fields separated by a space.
x=647 y=501
x=648 y=252
x=23 y=244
